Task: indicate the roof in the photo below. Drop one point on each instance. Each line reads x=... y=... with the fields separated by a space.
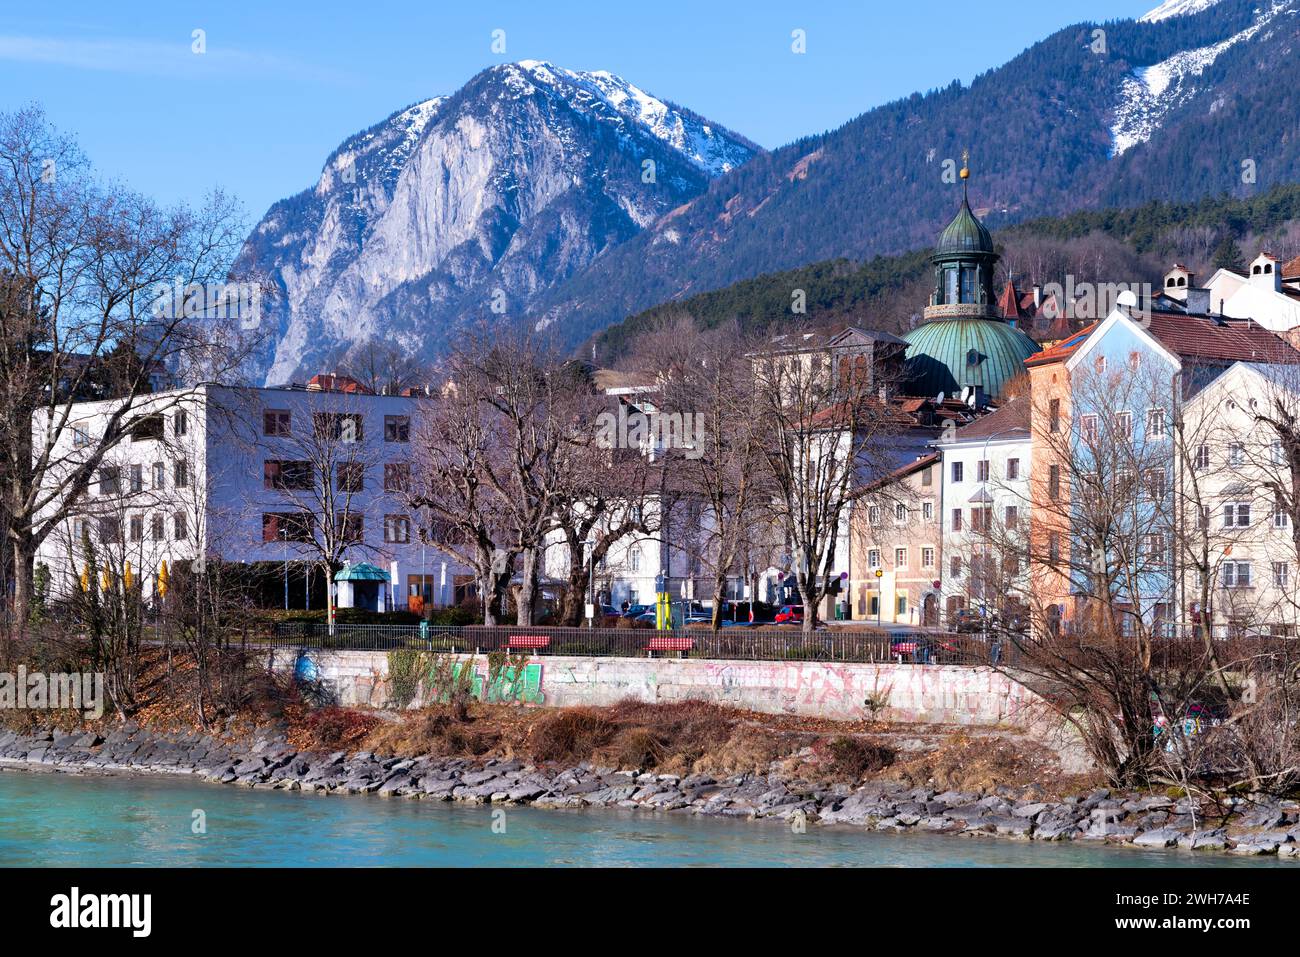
x=1063 y=349
x=1011 y=416
x=1218 y=339
x=965 y=234
x=361 y=572
x=901 y=472
x=1291 y=268
x=949 y=354
x=333 y=382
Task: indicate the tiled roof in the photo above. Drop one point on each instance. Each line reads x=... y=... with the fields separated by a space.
x=1291 y=269
x=1013 y=414
x=1062 y=350
x=1218 y=339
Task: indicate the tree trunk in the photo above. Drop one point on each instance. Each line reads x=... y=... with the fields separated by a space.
x=527 y=587
x=719 y=589
x=24 y=565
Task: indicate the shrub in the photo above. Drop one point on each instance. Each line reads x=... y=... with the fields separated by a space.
x=854 y=757
x=338 y=728
x=569 y=733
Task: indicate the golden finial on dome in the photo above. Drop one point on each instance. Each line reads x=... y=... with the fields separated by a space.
x=965 y=164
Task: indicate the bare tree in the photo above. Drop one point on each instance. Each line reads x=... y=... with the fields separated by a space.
x=81 y=269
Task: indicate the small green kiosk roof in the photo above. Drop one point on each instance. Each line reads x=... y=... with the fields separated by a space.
x=361 y=572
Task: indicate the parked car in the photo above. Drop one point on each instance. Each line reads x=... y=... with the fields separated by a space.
x=636 y=611
x=968 y=621
x=789 y=615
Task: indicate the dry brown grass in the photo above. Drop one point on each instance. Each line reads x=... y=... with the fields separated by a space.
x=965 y=761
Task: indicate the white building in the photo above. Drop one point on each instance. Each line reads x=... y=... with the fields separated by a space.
x=1269 y=294
x=985 y=509
x=234 y=473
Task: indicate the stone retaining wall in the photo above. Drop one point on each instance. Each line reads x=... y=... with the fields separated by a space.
x=939 y=694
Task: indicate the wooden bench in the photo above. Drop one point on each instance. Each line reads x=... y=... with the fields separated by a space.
x=669 y=643
x=535 y=642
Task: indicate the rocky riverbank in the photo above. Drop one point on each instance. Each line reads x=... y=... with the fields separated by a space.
x=267 y=760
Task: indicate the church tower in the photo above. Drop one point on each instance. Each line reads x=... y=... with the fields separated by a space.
x=963 y=341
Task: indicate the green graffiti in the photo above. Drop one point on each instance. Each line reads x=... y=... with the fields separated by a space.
x=512 y=685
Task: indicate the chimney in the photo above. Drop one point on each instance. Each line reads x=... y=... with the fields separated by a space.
x=1038 y=296
x=1266 y=272
x=1198 y=301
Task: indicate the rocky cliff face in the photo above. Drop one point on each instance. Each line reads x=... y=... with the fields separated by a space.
x=462 y=209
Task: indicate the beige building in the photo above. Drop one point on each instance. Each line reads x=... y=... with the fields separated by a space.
x=896 y=532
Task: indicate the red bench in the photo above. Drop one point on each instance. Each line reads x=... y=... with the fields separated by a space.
x=529 y=641
x=670 y=643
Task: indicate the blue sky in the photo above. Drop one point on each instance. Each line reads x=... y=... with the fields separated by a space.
x=282 y=83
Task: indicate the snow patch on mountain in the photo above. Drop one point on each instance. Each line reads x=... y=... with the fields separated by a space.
x=1151 y=93
x=709 y=149
x=1176 y=8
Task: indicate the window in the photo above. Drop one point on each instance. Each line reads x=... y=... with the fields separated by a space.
x=927 y=557
x=873 y=515
x=1236 y=515
x=900 y=557
x=338 y=426
x=1235 y=575
x=1155 y=423
x=286 y=475
x=1100 y=365
x=80 y=436
x=287 y=526
x=1201 y=460
x=1054 y=548
x=351 y=526
x=137 y=528
x=1013 y=516
x=110 y=482
x=181 y=473
x=873 y=558
x=110 y=530
x=1236 y=454
x=137 y=479
x=1281 y=573
x=927 y=511
x=981 y=519
x=397 y=476
x=159 y=475
x=1203 y=517
x=1276 y=455
x=397 y=428
x=147 y=427
x=180 y=423
x=927 y=478
x=1280 y=518
x=982 y=470
x=1154 y=482
x=156 y=530
x=181 y=527
x=1054 y=415
x=1153 y=547
x=900 y=513
x=397 y=529
x=956 y=471
x=351 y=477
x=277 y=423
x=1124 y=424
x=1013 y=468
x=1088 y=426
x=954 y=566
x=634 y=558
x=901 y=604
x=1054 y=482
x=956 y=520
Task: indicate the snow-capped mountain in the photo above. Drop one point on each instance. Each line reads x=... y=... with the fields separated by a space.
x=1175 y=8
x=465 y=207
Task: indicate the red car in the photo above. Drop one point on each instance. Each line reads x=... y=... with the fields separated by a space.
x=789 y=614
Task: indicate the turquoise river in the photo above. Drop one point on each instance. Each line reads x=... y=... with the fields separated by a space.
x=49 y=819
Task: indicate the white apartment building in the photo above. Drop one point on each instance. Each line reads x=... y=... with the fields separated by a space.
x=1269 y=294
x=1231 y=509
x=985 y=508
x=233 y=473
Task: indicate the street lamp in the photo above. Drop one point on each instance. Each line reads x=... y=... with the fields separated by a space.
x=284 y=535
x=880 y=594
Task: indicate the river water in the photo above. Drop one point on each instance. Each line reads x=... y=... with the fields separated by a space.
x=50 y=819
